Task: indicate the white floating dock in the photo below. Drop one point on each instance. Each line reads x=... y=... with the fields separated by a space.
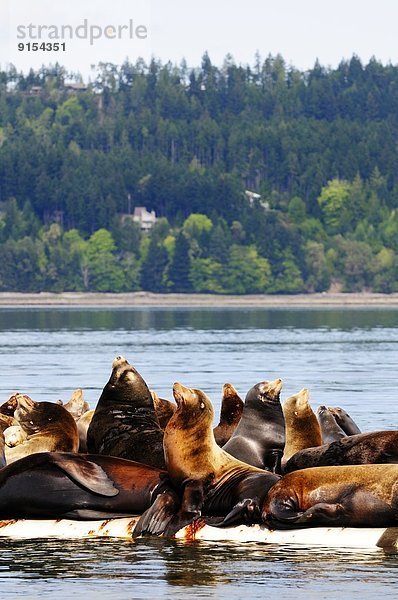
x=328 y=537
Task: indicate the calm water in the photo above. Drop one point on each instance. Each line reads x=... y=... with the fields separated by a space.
x=346 y=357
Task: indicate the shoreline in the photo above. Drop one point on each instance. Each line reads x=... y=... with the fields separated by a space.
x=148 y=299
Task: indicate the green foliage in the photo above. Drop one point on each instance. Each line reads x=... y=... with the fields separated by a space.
x=318 y=147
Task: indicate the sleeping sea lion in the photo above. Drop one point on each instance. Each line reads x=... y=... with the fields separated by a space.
x=78 y=486
x=259 y=438
x=230 y=414
x=48 y=427
x=213 y=482
x=363 y=448
x=164 y=409
x=302 y=427
x=353 y=496
x=330 y=430
x=124 y=423
x=344 y=420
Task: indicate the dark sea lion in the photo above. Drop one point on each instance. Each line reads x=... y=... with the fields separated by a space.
x=9 y=407
x=124 y=423
x=78 y=486
x=259 y=438
x=344 y=496
x=82 y=427
x=77 y=405
x=213 y=482
x=360 y=449
x=331 y=431
x=302 y=427
x=230 y=414
x=164 y=409
x=344 y=420
x=48 y=427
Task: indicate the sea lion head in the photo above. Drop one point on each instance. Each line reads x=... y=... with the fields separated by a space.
x=265 y=392
x=77 y=405
x=36 y=416
x=193 y=406
x=231 y=404
x=298 y=404
x=8 y=408
x=126 y=386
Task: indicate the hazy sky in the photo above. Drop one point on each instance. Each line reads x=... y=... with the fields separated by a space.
x=301 y=30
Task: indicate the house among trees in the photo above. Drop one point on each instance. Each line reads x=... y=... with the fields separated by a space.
x=144 y=218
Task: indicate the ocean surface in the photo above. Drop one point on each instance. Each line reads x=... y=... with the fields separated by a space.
x=346 y=357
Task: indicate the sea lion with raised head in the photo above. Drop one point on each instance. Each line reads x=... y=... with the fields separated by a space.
x=79 y=486
x=164 y=409
x=124 y=423
x=302 y=427
x=230 y=414
x=213 y=483
x=331 y=431
x=343 y=496
x=259 y=439
x=344 y=420
x=48 y=427
x=77 y=405
x=363 y=448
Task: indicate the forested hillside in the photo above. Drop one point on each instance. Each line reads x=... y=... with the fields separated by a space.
x=263 y=178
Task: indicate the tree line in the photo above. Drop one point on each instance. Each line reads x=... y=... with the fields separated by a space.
x=318 y=148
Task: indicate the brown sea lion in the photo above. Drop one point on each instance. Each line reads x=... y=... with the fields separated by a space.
x=302 y=427
x=6 y=421
x=230 y=414
x=48 y=427
x=164 y=409
x=77 y=405
x=124 y=423
x=78 y=486
x=330 y=430
x=214 y=483
x=344 y=420
x=9 y=406
x=82 y=427
x=259 y=439
x=354 y=496
x=363 y=448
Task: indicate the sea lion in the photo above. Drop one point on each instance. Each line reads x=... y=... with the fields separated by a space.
x=164 y=409
x=78 y=486
x=82 y=427
x=6 y=422
x=213 y=482
x=363 y=448
x=259 y=438
x=302 y=427
x=230 y=414
x=48 y=427
x=77 y=405
x=354 y=496
x=344 y=420
x=124 y=423
x=330 y=430
x=8 y=408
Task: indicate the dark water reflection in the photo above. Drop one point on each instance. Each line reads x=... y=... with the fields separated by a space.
x=346 y=357
x=158 y=568
x=193 y=318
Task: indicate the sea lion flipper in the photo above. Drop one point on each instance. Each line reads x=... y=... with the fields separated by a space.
x=322 y=513
x=246 y=511
x=155 y=520
x=86 y=473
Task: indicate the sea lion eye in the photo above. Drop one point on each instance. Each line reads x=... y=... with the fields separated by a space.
x=202 y=405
